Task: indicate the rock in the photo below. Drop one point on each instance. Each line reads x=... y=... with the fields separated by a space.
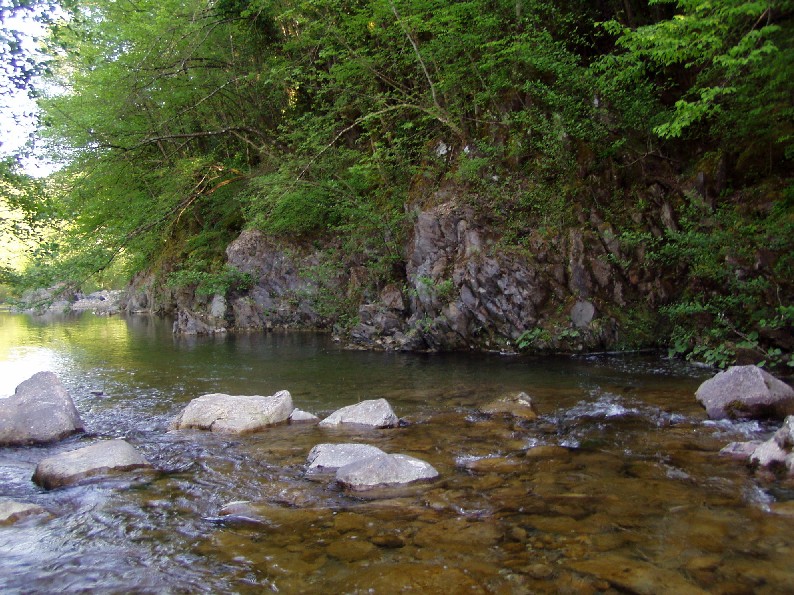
x=740 y=450
x=282 y=293
x=234 y=414
x=635 y=576
x=746 y=392
x=547 y=451
x=785 y=435
x=100 y=459
x=40 y=411
x=330 y=457
x=101 y=302
x=518 y=406
x=375 y=412
x=384 y=470
x=351 y=550
x=12 y=511
x=300 y=416
x=768 y=454
x=582 y=314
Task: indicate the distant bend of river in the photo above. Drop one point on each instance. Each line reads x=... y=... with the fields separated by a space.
x=636 y=500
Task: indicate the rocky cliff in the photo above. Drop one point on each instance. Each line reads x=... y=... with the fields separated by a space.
x=463 y=288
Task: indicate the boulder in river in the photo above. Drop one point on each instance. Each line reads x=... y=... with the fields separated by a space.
x=519 y=405
x=40 y=411
x=330 y=457
x=100 y=459
x=385 y=470
x=376 y=413
x=746 y=392
x=300 y=416
x=12 y=511
x=234 y=414
x=777 y=452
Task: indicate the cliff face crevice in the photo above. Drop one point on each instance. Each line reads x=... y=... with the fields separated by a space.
x=463 y=288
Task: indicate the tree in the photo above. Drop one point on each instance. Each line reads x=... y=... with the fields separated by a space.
x=721 y=66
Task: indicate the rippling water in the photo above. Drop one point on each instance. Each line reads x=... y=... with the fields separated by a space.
x=616 y=487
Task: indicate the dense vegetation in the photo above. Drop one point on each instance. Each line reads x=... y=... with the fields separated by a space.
x=180 y=122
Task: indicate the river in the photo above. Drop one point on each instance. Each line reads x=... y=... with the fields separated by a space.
x=637 y=499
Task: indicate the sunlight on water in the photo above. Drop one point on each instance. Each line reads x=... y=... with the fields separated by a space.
x=20 y=363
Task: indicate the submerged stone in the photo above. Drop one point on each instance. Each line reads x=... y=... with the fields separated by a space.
x=39 y=411
x=519 y=405
x=746 y=392
x=374 y=412
x=636 y=576
x=12 y=511
x=234 y=414
x=100 y=459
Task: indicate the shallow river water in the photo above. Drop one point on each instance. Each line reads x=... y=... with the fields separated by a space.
x=617 y=487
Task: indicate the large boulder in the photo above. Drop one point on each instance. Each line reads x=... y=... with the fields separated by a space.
x=746 y=392
x=385 y=470
x=234 y=414
x=376 y=413
x=330 y=457
x=40 y=411
x=100 y=459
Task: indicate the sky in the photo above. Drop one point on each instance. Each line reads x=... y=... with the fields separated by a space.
x=17 y=110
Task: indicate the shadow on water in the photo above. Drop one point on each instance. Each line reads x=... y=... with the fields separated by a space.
x=615 y=487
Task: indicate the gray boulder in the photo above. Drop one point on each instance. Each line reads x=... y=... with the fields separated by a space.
x=234 y=414
x=746 y=392
x=768 y=454
x=384 y=470
x=374 y=412
x=330 y=457
x=100 y=459
x=40 y=411
x=777 y=452
x=12 y=511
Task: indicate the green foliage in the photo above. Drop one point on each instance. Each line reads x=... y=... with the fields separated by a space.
x=723 y=63
x=228 y=279
x=738 y=260
x=534 y=338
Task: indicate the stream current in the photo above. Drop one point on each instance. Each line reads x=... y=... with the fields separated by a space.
x=618 y=486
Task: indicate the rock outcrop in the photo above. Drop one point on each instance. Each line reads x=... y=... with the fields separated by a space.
x=376 y=413
x=746 y=392
x=458 y=287
x=234 y=414
x=98 y=460
x=40 y=411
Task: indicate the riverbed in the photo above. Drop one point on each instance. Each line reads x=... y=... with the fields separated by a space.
x=617 y=486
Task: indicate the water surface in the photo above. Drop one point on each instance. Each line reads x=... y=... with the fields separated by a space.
x=616 y=487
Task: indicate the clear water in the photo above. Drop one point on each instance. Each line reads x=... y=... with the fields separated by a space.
x=638 y=500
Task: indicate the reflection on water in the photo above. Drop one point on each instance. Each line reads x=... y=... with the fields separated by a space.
x=616 y=487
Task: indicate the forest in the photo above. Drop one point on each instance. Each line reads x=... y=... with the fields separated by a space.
x=179 y=123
